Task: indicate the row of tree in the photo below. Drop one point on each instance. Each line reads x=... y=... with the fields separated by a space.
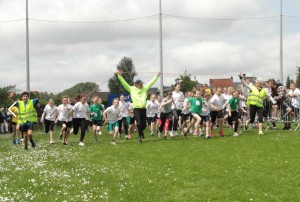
x=8 y=94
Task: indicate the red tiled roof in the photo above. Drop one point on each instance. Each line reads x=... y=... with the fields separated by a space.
x=221 y=82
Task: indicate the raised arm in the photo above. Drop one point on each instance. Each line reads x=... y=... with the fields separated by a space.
x=150 y=83
x=122 y=80
x=244 y=83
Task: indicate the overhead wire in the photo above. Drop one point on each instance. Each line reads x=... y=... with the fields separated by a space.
x=148 y=16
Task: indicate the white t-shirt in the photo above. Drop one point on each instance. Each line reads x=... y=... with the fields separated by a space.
x=64 y=111
x=152 y=108
x=130 y=109
x=178 y=98
x=217 y=101
x=50 y=112
x=123 y=106
x=205 y=108
x=188 y=104
x=113 y=114
x=226 y=97
x=80 y=110
x=295 y=100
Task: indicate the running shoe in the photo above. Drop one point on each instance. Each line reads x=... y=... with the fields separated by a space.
x=221 y=133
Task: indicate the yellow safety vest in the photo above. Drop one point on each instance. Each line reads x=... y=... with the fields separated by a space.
x=256 y=97
x=27 y=113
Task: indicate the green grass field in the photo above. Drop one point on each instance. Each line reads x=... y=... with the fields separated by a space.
x=245 y=168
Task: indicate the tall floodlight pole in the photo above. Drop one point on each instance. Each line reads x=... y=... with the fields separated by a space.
x=281 y=51
x=27 y=51
x=161 y=53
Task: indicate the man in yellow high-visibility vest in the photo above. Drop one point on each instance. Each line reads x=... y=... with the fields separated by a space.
x=27 y=116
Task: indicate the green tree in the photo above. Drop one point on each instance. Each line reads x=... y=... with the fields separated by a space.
x=78 y=89
x=45 y=96
x=125 y=65
x=186 y=83
x=298 y=77
x=5 y=93
x=288 y=81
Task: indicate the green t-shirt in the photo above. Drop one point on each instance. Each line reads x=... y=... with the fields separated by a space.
x=196 y=104
x=97 y=109
x=233 y=103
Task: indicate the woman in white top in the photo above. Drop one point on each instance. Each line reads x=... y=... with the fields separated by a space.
x=80 y=114
x=48 y=118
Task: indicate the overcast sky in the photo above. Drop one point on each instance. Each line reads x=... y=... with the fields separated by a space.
x=75 y=41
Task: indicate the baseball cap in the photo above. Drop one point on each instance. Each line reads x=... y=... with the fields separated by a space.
x=138 y=82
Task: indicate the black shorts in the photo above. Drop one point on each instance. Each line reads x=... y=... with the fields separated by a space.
x=233 y=118
x=186 y=117
x=14 y=123
x=216 y=114
x=26 y=126
x=205 y=118
x=132 y=120
x=179 y=112
x=68 y=124
x=97 y=122
x=49 y=125
x=151 y=119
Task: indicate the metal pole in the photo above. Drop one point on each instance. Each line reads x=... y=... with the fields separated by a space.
x=27 y=51
x=281 y=49
x=161 y=53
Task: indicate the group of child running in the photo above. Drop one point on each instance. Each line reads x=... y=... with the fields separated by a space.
x=198 y=112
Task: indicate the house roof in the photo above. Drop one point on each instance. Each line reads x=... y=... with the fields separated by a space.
x=227 y=82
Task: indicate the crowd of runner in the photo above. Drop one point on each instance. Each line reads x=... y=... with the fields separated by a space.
x=199 y=112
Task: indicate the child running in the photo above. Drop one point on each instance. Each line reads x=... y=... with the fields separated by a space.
x=96 y=111
x=166 y=114
x=80 y=114
x=217 y=106
x=65 y=120
x=196 y=110
x=152 y=107
x=111 y=116
x=48 y=118
x=233 y=114
x=205 y=115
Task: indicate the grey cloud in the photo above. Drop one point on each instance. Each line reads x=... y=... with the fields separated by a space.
x=63 y=54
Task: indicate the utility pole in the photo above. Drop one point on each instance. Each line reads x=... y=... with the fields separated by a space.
x=281 y=51
x=161 y=53
x=27 y=51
